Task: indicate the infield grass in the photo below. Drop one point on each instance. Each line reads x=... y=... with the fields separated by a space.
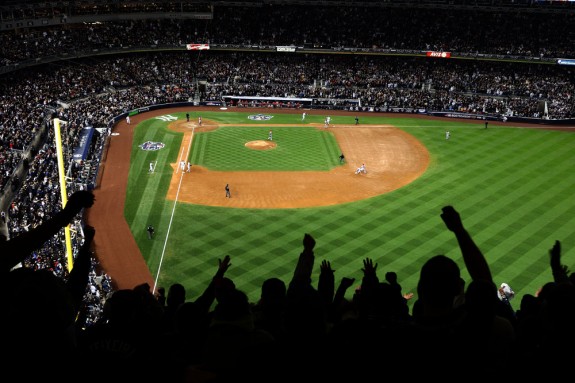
x=512 y=186
x=301 y=148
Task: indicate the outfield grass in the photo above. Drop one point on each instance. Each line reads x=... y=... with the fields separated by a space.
x=512 y=186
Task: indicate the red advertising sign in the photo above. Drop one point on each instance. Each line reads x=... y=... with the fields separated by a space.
x=442 y=55
x=198 y=47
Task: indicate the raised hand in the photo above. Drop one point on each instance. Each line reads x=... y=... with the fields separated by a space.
x=223 y=266
x=346 y=282
x=368 y=267
x=304 y=267
x=308 y=242
x=326 y=282
x=560 y=272
x=76 y=203
x=89 y=233
x=80 y=199
x=555 y=254
x=452 y=219
x=325 y=267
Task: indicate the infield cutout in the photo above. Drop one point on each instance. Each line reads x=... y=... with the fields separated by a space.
x=394 y=159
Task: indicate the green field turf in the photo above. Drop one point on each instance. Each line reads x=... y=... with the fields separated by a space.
x=512 y=186
x=301 y=148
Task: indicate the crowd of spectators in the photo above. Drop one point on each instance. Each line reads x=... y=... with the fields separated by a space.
x=377 y=83
x=385 y=84
x=463 y=31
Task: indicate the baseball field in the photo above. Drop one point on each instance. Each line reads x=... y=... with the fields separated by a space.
x=512 y=185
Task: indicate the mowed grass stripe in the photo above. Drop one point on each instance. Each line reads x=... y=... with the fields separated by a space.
x=152 y=191
x=199 y=142
x=331 y=150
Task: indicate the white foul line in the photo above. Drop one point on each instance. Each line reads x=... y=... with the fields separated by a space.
x=173 y=211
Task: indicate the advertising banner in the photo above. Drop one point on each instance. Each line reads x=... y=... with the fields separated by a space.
x=442 y=55
x=81 y=151
x=197 y=47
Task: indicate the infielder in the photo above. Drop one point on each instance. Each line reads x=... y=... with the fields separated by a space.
x=361 y=169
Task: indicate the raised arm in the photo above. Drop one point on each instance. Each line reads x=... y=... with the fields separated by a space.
x=344 y=285
x=560 y=274
x=304 y=267
x=78 y=279
x=473 y=257
x=17 y=249
x=369 y=279
x=326 y=284
x=209 y=295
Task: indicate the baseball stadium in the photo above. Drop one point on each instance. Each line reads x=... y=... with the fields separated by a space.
x=250 y=189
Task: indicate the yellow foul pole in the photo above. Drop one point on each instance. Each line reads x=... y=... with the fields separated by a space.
x=62 y=177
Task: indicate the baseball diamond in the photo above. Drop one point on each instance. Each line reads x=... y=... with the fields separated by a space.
x=394 y=159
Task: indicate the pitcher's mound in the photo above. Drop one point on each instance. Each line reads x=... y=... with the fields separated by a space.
x=261 y=145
